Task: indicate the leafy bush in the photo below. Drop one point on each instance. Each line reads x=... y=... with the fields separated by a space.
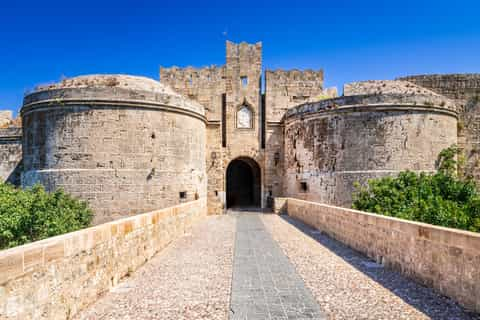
x=34 y=214
x=441 y=198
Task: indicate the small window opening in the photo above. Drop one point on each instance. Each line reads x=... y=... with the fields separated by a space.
x=244 y=81
x=183 y=194
x=303 y=186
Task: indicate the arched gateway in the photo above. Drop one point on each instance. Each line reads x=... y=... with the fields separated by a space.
x=243 y=183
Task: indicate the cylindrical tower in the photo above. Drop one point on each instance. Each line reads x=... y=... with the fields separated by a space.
x=331 y=144
x=125 y=144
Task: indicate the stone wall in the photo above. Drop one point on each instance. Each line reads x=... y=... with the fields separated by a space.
x=469 y=138
x=10 y=155
x=381 y=87
x=465 y=90
x=124 y=150
x=57 y=277
x=332 y=144
x=460 y=87
x=274 y=161
x=204 y=85
x=442 y=258
x=10 y=148
x=286 y=89
x=5 y=118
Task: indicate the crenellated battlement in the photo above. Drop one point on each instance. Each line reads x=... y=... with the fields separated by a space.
x=289 y=76
x=244 y=50
x=204 y=85
x=192 y=75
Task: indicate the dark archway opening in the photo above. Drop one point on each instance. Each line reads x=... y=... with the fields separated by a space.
x=243 y=183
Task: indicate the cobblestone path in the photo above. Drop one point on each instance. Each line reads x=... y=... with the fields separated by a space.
x=190 y=279
x=254 y=266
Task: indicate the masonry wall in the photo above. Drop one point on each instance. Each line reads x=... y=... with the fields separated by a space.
x=460 y=87
x=5 y=118
x=57 y=277
x=204 y=85
x=286 y=89
x=243 y=60
x=10 y=155
x=469 y=138
x=215 y=169
x=328 y=151
x=123 y=156
x=442 y=258
x=274 y=161
x=465 y=90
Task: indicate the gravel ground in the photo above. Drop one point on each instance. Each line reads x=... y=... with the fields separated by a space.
x=347 y=285
x=190 y=279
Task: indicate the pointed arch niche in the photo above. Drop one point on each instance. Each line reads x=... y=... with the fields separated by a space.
x=244 y=116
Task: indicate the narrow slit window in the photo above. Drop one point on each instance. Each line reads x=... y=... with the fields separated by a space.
x=183 y=195
x=303 y=186
x=244 y=81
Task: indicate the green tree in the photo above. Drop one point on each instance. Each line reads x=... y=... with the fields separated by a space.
x=441 y=198
x=34 y=214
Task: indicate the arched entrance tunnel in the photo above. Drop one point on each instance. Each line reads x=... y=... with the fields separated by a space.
x=243 y=183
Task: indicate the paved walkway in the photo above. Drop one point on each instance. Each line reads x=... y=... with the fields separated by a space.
x=255 y=266
x=265 y=284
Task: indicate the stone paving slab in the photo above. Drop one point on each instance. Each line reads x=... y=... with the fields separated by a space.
x=265 y=284
x=190 y=279
x=348 y=285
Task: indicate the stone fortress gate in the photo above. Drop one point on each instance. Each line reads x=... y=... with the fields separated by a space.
x=162 y=155
x=233 y=135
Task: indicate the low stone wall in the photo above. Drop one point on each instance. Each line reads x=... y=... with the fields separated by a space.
x=446 y=259
x=56 y=277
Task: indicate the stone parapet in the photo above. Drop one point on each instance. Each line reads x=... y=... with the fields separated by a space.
x=12 y=133
x=119 y=97
x=387 y=100
x=280 y=205
x=443 y=258
x=56 y=277
x=455 y=86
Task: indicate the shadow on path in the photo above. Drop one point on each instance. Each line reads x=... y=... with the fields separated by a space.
x=416 y=295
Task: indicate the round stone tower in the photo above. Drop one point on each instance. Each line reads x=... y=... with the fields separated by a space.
x=125 y=144
x=380 y=128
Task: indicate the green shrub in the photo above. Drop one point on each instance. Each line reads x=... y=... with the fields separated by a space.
x=34 y=214
x=442 y=198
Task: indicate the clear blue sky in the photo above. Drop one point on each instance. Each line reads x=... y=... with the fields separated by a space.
x=41 y=41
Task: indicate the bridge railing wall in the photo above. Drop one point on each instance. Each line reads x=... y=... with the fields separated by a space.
x=57 y=277
x=445 y=259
